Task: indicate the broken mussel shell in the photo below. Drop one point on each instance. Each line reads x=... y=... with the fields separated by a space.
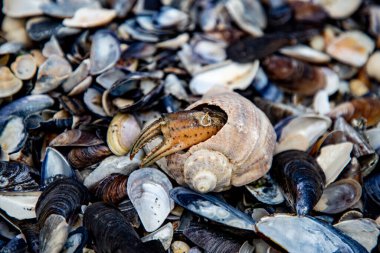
x=266 y=190
x=301 y=179
x=212 y=208
x=111 y=231
x=303 y=228
x=148 y=189
x=16 y=177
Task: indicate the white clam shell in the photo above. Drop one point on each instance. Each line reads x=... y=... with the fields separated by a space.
x=228 y=74
x=148 y=189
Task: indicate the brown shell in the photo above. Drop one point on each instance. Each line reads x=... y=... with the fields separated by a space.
x=247 y=140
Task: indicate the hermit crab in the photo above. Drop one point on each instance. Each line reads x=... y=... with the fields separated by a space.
x=222 y=140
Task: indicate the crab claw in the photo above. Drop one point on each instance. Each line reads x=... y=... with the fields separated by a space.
x=180 y=130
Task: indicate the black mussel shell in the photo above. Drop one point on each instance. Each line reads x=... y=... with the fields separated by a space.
x=301 y=178
x=371 y=195
x=112 y=233
x=62 y=197
x=16 y=176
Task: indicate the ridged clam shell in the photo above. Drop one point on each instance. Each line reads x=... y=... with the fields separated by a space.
x=148 y=190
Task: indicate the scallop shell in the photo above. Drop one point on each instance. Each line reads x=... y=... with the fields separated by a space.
x=214 y=166
x=148 y=190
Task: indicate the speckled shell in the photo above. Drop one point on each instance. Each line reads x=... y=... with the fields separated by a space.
x=240 y=153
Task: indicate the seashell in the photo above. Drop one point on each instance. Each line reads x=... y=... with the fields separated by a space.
x=16 y=244
x=212 y=208
x=333 y=159
x=24 y=67
x=66 y=9
x=76 y=77
x=52 y=47
x=105 y=51
x=164 y=234
x=371 y=195
x=16 y=177
x=305 y=53
x=122 y=133
x=372 y=66
x=76 y=240
x=228 y=74
x=301 y=179
x=148 y=190
x=321 y=103
x=180 y=247
x=19 y=205
x=301 y=132
x=9 y=84
x=169 y=18
x=211 y=240
x=339 y=196
x=309 y=12
x=75 y=138
x=51 y=74
x=93 y=100
x=27 y=105
x=365 y=154
x=364 y=231
x=23 y=8
x=83 y=157
x=352 y=47
x=294 y=76
x=13 y=135
x=42 y=28
x=90 y=17
x=130 y=213
x=56 y=206
x=54 y=166
x=108 y=78
x=276 y=111
x=237 y=163
x=248 y=15
x=303 y=228
x=339 y=9
x=111 y=189
x=112 y=232
x=351 y=215
x=110 y=165
x=266 y=190
x=358 y=108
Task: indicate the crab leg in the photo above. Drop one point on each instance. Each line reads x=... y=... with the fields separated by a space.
x=180 y=130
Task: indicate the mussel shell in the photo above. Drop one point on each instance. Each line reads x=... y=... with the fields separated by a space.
x=75 y=138
x=301 y=178
x=54 y=166
x=148 y=190
x=364 y=231
x=111 y=232
x=211 y=240
x=282 y=229
x=266 y=191
x=339 y=196
x=9 y=84
x=105 y=51
x=164 y=234
x=112 y=189
x=211 y=207
x=16 y=177
x=63 y=197
x=76 y=240
x=13 y=135
x=16 y=245
x=82 y=157
x=26 y=105
x=371 y=194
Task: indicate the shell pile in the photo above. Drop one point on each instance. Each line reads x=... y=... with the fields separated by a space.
x=189 y=126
